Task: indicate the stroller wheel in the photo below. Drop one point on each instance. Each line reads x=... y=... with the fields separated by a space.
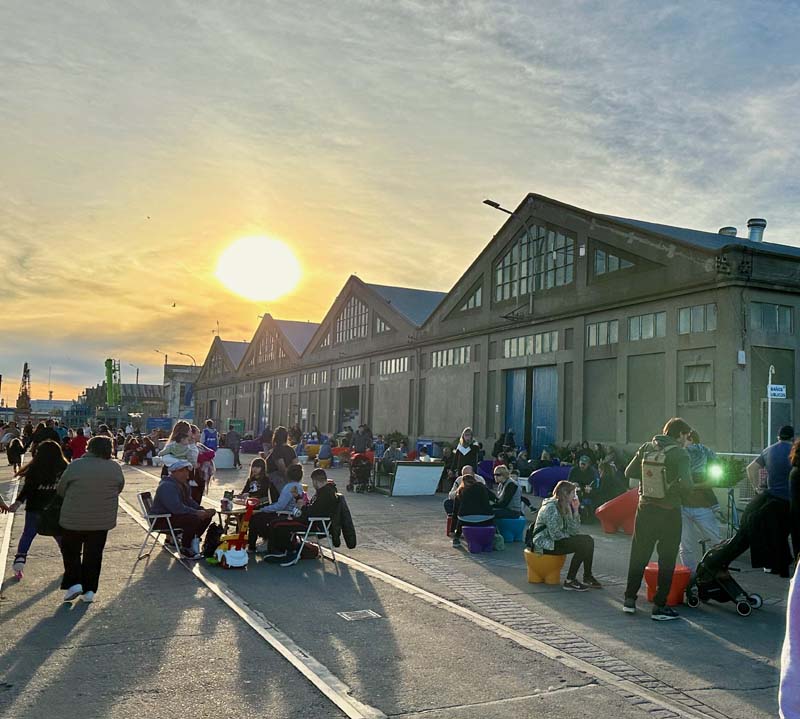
x=755 y=601
x=693 y=601
x=744 y=608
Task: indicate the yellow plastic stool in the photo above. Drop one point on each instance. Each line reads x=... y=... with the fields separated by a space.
x=324 y=463
x=544 y=567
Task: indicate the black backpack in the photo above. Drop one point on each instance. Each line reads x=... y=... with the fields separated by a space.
x=212 y=541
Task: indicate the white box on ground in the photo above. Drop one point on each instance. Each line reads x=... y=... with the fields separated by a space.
x=223 y=459
x=416 y=478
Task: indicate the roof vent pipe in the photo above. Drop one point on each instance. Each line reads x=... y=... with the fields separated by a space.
x=756 y=225
x=729 y=231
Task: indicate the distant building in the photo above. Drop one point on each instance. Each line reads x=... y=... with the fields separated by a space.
x=179 y=382
x=569 y=325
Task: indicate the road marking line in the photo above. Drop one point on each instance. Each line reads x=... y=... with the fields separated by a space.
x=7 y=536
x=317 y=673
x=624 y=686
x=528 y=642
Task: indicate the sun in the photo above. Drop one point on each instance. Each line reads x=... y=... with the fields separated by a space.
x=258 y=268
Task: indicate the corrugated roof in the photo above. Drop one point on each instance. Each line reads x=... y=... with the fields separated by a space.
x=141 y=391
x=414 y=305
x=707 y=240
x=235 y=350
x=299 y=334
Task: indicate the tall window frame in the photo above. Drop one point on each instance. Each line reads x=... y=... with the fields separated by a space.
x=352 y=322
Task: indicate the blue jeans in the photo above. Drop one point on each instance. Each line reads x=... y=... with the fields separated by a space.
x=29 y=532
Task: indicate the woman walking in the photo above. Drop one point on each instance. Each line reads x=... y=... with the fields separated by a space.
x=90 y=487
x=466 y=452
x=40 y=477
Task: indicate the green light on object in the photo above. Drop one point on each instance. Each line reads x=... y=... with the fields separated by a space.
x=715 y=472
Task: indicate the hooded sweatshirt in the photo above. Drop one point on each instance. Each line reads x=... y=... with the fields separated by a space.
x=678 y=469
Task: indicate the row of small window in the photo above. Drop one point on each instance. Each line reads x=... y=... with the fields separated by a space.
x=312 y=378
x=353 y=371
x=353 y=322
x=396 y=365
x=474 y=300
x=449 y=357
x=284 y=382
x=699 y=318
x=531 y=344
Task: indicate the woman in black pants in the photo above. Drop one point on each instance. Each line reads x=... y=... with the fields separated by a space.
x=90 y=487
x=557 y=531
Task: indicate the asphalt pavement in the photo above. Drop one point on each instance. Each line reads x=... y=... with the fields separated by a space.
x=449 y=635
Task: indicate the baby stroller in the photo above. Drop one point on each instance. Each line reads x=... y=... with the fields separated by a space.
x=714 y=581
x=360 y=474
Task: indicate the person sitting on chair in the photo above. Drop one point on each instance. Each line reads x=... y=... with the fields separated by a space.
x=472 y=506
x=391 y=457
x=509 y=495
x=173 y=497
x=287 y=504
x=258 y=484
x=323 y=504
x=557 y=531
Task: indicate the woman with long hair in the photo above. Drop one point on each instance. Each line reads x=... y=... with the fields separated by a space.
x=40 y=478
x=280 y=458
x=466 y=451
x=472 y=506
x=258 y=483
x=557 y=531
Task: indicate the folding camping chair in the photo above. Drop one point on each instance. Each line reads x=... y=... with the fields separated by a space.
x=318 y=528
x=146 y=505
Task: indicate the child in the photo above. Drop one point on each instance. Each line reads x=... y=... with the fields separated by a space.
x=15 y=452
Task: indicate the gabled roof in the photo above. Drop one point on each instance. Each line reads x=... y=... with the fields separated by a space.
x=235 y=351
x=415 y=305
x=706 y=240
x=298 y=334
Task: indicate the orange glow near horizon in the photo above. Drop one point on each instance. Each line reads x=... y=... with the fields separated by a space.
x=258 y=268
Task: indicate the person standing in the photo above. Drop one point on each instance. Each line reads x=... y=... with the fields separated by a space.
x=466 y=451
x=40 y=477
x=90 y=487
x=266 y=439
x=233 y=441
x=789 y=691
x=210 y=436
x=663 y=469
x=280 y=458
x=698 y=515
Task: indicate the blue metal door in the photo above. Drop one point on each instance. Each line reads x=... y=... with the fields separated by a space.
x=515 y=403
x=544 y=409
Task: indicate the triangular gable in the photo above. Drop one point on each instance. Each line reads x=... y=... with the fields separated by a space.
x=269 y=346
x=235 y=351
x=218 y=361
x=298 y=334
x=399 y=309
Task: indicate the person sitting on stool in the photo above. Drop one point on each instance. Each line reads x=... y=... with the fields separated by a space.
x=557 y=531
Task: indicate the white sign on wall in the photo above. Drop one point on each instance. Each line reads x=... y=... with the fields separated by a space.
x=777 y=391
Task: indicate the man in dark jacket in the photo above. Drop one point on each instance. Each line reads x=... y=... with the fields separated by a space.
x=173 y=497
x=658 y=518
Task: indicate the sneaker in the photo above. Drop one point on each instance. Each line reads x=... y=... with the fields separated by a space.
x=573 y=585
x=629 y=606
x=456 y=542
x=276 y=555
x=664 y=614
x=73 y=592
x=592 y=583
x=19 y=565
x=87 y=597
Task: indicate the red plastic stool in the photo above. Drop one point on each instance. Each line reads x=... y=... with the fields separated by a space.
x=449 y=524
x=619 y=512
x=677 y=590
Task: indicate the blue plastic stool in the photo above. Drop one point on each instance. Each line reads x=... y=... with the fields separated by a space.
x=513 y=530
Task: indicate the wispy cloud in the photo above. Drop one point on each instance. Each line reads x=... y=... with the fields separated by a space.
x=137 y=142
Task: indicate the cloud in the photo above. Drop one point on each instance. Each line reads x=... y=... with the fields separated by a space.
x=137 y=143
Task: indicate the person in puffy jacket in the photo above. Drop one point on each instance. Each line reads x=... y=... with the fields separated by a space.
x=90 y=487
x=557 y=531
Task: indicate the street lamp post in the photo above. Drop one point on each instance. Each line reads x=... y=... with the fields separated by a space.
x=164 y=353
x=137 y=371
x=769 y=405
x=186 y=354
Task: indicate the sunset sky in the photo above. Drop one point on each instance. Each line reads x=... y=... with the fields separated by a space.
x=139 y=139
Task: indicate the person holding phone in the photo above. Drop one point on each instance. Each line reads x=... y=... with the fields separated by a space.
x=557 y=531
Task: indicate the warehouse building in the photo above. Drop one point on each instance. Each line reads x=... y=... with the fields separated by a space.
x=569 y=325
